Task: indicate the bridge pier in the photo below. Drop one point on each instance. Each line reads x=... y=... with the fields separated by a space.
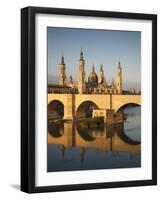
x=68 y=107
x=107 y=114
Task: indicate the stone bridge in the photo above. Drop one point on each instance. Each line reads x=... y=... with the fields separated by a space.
x=71 y=105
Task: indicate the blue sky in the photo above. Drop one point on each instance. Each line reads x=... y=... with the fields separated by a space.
x=99 y=47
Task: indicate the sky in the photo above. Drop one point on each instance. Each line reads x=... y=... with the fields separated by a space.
x=105 y=47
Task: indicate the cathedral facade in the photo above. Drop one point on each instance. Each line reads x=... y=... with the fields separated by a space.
x=94 y=83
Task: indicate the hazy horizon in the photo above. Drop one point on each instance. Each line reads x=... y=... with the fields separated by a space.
x=99 y=47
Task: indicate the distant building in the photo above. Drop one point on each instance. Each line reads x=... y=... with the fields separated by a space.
x=93 y=84
x=61 y=89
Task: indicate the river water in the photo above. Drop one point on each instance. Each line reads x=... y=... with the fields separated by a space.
x=74 y=147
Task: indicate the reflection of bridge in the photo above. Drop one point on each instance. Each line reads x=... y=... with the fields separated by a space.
x=107 y=139
x=72 y=105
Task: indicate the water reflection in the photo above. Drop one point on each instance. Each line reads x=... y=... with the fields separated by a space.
x=73 y=147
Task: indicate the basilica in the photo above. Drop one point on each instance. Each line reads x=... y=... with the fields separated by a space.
x=94 y=83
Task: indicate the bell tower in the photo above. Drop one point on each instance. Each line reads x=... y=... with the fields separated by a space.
x=81 y=75
x=119 y=78
x=62 y=73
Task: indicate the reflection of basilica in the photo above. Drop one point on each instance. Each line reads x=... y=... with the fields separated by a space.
x=106 y=139
x=93 y=84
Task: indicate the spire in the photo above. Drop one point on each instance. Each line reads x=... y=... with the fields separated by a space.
x=93 y=68
x=101 y=68
x=119 y=64
x=81 y=75
x=62 y=60
x=71 y=79
x=62 y=73
x=101 y=73
x=81 y=55
x=119 y=78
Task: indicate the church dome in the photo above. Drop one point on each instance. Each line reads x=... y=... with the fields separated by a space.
x=93 y=78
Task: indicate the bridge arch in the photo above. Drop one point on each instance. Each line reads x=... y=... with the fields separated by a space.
x=121 y=107
x=120 y=131
x=56 y=130
x=55 y=109
x=119 y=111
x=85 y=109
x=84 y=133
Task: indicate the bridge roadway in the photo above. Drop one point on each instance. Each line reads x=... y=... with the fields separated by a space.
x=72 y=102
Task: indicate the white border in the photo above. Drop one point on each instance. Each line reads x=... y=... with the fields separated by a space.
x=91 y=176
